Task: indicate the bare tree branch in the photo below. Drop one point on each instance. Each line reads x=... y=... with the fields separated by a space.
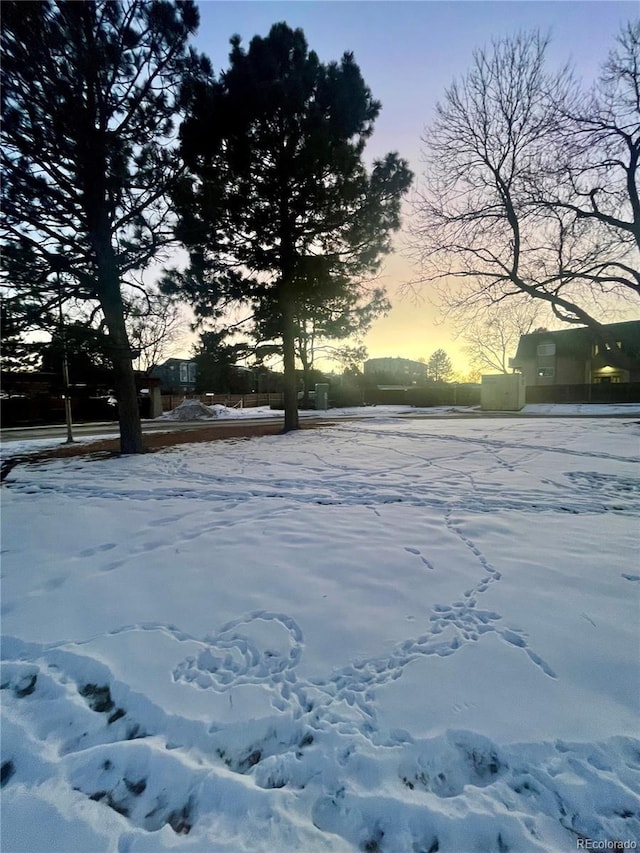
x=531 y=186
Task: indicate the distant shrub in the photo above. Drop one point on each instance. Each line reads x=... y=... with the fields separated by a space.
x=444 y=394
x=344 y=396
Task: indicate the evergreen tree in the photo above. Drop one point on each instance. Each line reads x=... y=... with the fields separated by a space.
x=215 y=360
x=18 y=316
x=439 y=366
x=83 y=348
x=282 y=212
x=89 y=94
x=320 y=318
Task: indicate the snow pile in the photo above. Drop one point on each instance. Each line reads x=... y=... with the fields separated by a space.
x=189 y=410
x=239 y=413
x=194 y=410
x=389 y=635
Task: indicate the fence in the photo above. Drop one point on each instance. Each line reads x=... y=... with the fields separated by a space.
x=441 y=394
x=602 y=392
x=468 y=394
x=43 y=409
x=239 y=401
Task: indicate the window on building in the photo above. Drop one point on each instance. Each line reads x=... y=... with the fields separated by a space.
x=547 y=372
x=546 y=349
x=597 y=348
x=184 y=373
x=192 y=372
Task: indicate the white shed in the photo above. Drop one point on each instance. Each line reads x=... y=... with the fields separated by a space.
x=503 y=392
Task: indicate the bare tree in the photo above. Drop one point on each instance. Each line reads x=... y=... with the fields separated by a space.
x=350 y=358
x=595 y=174
x=491 y=336
x=157 y=325
x=531 y=185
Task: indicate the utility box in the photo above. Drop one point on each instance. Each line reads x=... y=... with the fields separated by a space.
x=156 y=401
x=322 y=396
x=504 y=392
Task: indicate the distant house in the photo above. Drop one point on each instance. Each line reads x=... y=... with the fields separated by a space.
x=574 y=357
x=176 y=375
x=395 y=372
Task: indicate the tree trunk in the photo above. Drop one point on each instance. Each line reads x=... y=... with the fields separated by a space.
x=124 y=378
x=305 y=354
x=306 y=373
x=291 y=421
x=119 y=349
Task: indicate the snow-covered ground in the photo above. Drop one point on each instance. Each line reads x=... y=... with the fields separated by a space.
x=194 y=410
x=383 y=635
x=30 y=446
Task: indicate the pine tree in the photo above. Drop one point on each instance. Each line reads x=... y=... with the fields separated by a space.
x=439 y=366
x=282 y=212
x=90 y=93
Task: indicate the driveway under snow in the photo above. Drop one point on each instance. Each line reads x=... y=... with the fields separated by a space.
x=390 y=635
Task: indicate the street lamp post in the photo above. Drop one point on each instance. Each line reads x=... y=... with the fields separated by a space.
x=65 y=370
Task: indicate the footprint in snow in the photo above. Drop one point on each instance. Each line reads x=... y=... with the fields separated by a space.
x=169 y=519
x=110 y=567
x=418 y=553
x=91 y=552
x=513 y=638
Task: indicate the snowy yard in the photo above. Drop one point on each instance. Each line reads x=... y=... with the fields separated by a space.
x=384 y=635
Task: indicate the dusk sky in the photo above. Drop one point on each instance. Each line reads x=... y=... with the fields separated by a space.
x=409 y=52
